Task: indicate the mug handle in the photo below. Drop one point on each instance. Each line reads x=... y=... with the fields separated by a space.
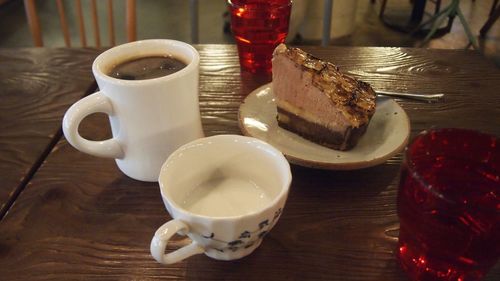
x=93 y=103
x=160 y=240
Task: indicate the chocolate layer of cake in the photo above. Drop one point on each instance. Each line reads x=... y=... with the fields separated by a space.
x=320 y=134
x=317 y=101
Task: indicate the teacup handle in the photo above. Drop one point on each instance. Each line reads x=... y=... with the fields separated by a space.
x=93 y=103
x=160 y=240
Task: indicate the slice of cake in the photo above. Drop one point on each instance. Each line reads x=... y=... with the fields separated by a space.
x=317 y=101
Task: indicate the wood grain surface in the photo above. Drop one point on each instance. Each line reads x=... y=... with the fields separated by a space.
x=80 y=218
x=36 y=87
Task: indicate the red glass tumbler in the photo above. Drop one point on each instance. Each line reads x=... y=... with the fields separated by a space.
x=449 y=205
x=258 y=27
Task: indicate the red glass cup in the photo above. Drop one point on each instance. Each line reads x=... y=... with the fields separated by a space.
x=258 y=27
x=449 y=205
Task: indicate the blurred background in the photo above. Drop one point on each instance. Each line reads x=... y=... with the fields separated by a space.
x=354 y=23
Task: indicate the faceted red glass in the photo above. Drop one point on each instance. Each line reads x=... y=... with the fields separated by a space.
x=449 y=206
x=258 y=27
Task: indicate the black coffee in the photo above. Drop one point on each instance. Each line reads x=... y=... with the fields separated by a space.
x=146 y=68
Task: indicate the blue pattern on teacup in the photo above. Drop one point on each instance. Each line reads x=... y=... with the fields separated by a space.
x=247 y=238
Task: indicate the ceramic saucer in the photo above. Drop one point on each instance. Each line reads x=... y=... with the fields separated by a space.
x=386 y=135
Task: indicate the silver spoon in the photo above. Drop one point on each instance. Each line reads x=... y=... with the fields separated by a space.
x=427 y=98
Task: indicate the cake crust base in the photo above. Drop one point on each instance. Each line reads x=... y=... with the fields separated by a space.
x=319 y=134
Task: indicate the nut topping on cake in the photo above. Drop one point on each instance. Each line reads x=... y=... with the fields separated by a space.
x=318 y=101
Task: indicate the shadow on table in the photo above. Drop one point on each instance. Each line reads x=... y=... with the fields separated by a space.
x=333 y=225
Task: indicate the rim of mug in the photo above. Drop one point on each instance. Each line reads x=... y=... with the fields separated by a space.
x=230 y=2
x=283 y=191
x=413 y=170
x=98 y=64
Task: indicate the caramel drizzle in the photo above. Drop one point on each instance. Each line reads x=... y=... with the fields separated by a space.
x=355 y=96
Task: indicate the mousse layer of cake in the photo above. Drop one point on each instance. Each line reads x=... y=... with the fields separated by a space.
x=317 y=101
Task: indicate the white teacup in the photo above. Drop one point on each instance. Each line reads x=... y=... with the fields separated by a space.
x=149 y=118
x=225 y=192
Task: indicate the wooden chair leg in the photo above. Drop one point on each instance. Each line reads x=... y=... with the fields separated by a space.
x=95 y=23
x=111 y=23
x=64 y=23
x=81 y=25
x=131 y=21
x=33 y=22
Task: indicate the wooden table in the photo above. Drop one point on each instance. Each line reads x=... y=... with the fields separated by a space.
x=78 y=217
x=36 y=88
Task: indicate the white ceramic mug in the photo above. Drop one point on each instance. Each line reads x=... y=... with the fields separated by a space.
x=225 y=192
x=149 y=118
